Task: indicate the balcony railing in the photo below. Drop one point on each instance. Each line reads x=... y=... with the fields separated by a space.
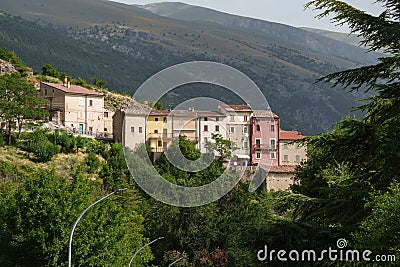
x=160 y=136
x=264 y=147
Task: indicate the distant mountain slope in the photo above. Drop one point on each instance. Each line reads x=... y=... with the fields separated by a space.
x=333 y=44
x=351 y=39
x=125 y=44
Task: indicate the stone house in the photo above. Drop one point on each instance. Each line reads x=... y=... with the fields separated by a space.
x=77 y=109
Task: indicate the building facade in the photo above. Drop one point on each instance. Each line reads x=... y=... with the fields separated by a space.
x=291 y=152
x=265 y=138
x=130 y=126
x=209 y=123
x=237 y=119
x=77 y=109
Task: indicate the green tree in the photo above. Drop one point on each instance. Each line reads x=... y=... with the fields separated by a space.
x=99 y=83
x=49 y=70
x=222 y=146
x=19 y=102
x=356 y=162
x=18 y=64
x=36 y=223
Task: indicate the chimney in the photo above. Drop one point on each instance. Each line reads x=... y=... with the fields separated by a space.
x=65 y=83
x=68 y=84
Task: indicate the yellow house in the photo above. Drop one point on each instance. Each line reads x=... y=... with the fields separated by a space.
x=159 y=134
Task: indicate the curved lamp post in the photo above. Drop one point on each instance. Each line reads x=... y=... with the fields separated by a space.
x=178 y=260
x=134 y=255
x=80 y=217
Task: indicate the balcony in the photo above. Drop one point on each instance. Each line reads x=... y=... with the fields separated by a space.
x=160 y=136
x=264 y=147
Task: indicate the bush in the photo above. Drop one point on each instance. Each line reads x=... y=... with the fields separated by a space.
x=92 y=162
x=45 y=151
x=40 y=146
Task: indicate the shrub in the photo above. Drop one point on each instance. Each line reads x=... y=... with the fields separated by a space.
x=40 y=146
x=92 y=162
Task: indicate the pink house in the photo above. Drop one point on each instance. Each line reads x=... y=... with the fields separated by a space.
x=265 y=138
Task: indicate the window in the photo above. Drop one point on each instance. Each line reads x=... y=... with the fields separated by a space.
x=156 y=131
x=285 y=145
x=298 y=158
x=258 y=156
x=285 y=158
x=132 y=129
x=45 y=91
x=105 y=129
x=245 y=119
x=140 y=129
x=245 y=145
x=273 y=155
x=273 y=143
x=165 y=120
x=156 y=119
x=258 y=128
x=90 y=103
x=205 y=119
x=205 y=140
x=105 y=114
x=216 y=118
x=90 y=116
x=258 y=143
x=217 y=128
x=245 y=130
x=206 y=128
x=232 y=130
x=159 y=144
x=80 y=115
x=232 y=118
x=81 y=102
x=272 y=127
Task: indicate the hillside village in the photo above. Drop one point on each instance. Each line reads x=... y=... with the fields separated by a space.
x=264 y=195
x=257 y=135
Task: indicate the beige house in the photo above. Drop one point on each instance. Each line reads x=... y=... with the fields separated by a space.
x=280 y=178
x=130 y=125
x=290 y=152
x=77 y=109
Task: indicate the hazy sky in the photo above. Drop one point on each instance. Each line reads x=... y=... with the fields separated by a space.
x=285 y=11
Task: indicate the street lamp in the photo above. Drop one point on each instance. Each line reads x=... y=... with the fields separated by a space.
x=178 y=260
x=134 y=255
x=80 y=217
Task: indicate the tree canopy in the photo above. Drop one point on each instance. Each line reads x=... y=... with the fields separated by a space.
x=348 y=168
x=19 y=101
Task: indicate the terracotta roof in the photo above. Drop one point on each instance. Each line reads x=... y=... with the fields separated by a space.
x=203 y=113
x=243 y=108
x=265 y=114
x=74 y=89
x=283 y=169
x=290 y=135
x=154 y=112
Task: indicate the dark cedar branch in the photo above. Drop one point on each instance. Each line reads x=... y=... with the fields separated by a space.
x=379 y=33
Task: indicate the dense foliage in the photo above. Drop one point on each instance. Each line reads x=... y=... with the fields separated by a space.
x=352 y=174
x=19 y=102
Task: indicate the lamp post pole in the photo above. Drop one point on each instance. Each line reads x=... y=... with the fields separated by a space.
x=178 y=260
x=148 y=244
x=80 y=217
